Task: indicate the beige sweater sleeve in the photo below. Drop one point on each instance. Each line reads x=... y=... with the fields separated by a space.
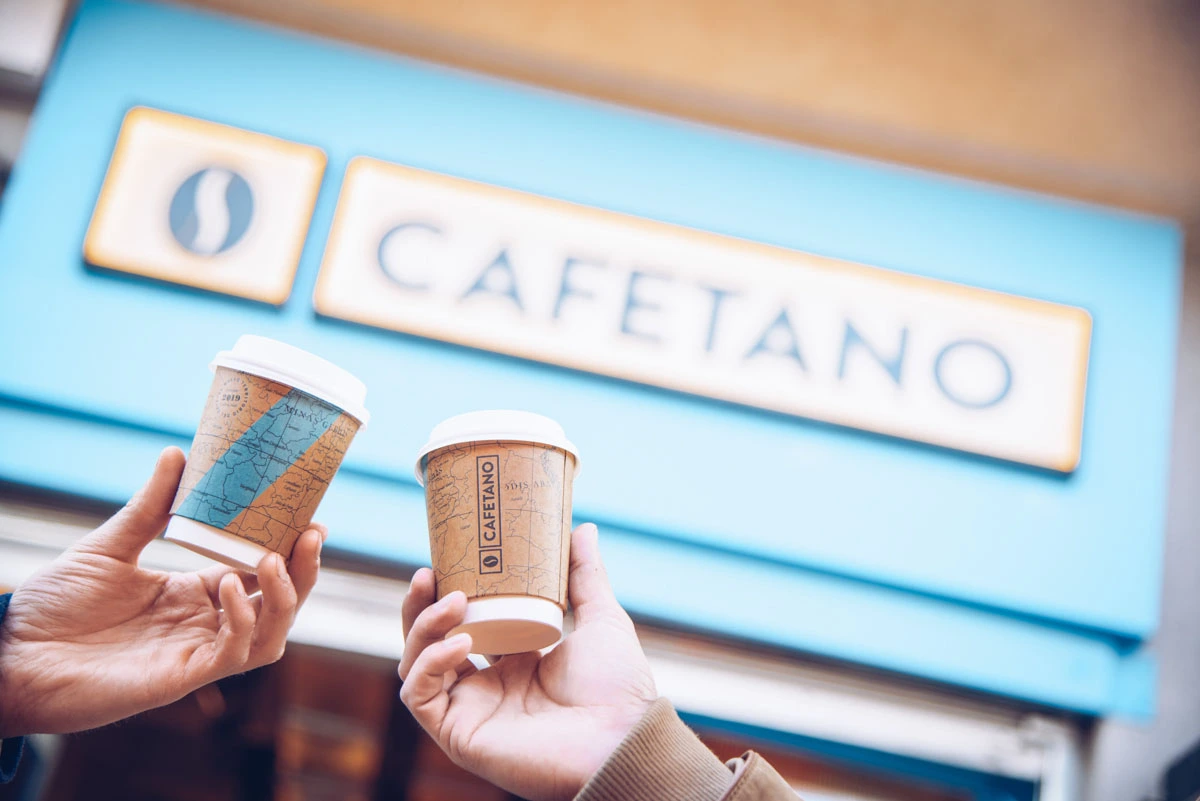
x=662 y=760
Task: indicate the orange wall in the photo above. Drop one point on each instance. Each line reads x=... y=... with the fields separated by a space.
x=1099 y=100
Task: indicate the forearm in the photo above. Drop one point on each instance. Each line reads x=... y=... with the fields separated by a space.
x=10 y=749
x=15 y=667
x=663 y=760
x=7 y=691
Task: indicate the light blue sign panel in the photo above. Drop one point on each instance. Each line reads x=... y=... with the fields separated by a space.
x=893 y=554
x=691 y=585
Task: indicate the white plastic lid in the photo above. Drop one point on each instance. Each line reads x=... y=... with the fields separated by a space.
x=491 y=426
x=297 y=368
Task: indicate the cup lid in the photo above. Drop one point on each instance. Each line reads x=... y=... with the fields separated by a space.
x=297 y=368
x=495 y=425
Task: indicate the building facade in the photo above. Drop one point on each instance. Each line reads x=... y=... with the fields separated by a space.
x=883 y=427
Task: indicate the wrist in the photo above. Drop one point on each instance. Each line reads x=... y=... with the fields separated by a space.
x=10 y=692
x=660 y=758
x=602 y=744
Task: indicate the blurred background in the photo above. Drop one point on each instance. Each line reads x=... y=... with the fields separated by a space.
x=908 y=540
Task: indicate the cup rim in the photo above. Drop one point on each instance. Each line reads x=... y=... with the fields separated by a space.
x=495 y=425
x=307 y=372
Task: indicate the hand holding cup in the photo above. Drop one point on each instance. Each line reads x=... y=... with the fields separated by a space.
x=95 y=637
x=536 y=725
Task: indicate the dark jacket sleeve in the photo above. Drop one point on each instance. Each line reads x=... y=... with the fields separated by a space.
x=662 y=760
x=10 y=750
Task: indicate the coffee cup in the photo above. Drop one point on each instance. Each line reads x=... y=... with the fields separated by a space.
x=498 y=500
x=274 y=431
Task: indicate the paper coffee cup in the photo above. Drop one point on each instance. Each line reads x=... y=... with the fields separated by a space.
x=275 y=428
x=498 y=497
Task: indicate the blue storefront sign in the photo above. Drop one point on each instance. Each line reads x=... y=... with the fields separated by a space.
x=801 y=509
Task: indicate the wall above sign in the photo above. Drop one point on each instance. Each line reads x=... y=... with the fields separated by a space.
x=505 y=271
x=207 y=205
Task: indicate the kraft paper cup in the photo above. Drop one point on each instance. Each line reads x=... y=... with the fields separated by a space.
x=275 y=428
x=498 y=497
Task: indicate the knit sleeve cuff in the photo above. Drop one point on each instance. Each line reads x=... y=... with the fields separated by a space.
x=659 y=759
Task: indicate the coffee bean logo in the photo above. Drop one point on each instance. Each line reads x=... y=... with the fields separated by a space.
x=491 y=561
x=211 y=211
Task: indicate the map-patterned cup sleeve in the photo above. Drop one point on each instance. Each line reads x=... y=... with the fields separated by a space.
x=500 y=518
x=262 y=459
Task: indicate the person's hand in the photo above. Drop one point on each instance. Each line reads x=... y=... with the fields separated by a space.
x=94 y=638
x=538 y=726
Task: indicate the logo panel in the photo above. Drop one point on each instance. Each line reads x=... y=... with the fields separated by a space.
x=205 y=205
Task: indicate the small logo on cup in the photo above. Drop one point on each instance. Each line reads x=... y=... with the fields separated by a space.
x=211 y=211
x=232 y=396
x=491 y=561
x=487 y=477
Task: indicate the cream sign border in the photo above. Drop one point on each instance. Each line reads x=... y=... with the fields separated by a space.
x=1064 y=462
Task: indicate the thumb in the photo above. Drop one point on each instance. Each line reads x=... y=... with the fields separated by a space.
x=587 y=586
x=127 y=532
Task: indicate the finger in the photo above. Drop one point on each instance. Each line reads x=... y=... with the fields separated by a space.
x=278 y=610
x=232 y=649
x=459 y=672
x=431 y=627
x=465 y=668
x=127 y=532
x=424 y=691
x=305 y=563
x=321 y=528
x=587 y=585
x=211 y=578
x=422 y=591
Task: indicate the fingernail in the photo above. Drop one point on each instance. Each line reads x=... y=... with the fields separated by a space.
x=446 y=601
x=459 y=640
x=280 y=566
